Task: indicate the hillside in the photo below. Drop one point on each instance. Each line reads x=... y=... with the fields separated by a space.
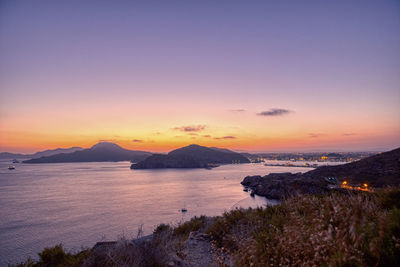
x=103 y=151
x=192 y=156
x=377 y=171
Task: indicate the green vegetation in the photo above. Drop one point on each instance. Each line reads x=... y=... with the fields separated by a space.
x=195 y=224
x=57 y=256
x=354 y=229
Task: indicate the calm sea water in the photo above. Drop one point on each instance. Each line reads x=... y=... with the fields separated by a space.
x=79 y=204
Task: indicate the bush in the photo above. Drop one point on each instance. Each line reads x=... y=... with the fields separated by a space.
x=56 y=256
x=195 y=224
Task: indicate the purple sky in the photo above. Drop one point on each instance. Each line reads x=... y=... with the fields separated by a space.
x=90 y=70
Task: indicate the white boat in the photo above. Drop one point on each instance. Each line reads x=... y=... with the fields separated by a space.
x=11 y=167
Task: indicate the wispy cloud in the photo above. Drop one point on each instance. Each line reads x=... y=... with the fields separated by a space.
x=275 y=112
x=192 y=134
x=206 y=136
x=107 y=140
x=237 y=110
x=348 y=134
x=315 y=135
x=137 y=141
x=225 y=137
x=192 y=128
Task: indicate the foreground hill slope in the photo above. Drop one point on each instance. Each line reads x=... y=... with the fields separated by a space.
x=192 y=156
x=103 y=151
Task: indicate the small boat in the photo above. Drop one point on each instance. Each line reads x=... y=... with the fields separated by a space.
x=183 y=210
x=15 y=161
x=11 y=167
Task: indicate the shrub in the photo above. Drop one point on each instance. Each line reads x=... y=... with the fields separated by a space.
x=195 y=224
x=56 y=256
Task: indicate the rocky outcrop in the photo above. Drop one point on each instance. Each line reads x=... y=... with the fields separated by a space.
x=284 y=185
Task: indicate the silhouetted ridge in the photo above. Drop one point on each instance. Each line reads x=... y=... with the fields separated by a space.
x=103 y=151
x=49 y=152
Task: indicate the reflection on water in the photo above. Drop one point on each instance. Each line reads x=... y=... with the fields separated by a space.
x=78 y=204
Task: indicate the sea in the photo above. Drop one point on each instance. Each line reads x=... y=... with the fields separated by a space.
x=79 y=204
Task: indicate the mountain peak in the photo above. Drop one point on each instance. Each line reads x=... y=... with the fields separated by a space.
x=106 y=145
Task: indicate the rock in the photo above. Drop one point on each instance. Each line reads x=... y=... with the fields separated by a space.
x=283 y=185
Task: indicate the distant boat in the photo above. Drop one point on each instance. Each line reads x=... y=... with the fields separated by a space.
x=15 y=161
x=11 y=167
x=183 y=210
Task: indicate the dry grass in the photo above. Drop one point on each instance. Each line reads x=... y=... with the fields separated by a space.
x=333 y=230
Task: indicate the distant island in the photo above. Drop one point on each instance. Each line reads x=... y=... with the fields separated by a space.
x=46 y=153
x=103 y=151
x=192 y=156
x=376 y=171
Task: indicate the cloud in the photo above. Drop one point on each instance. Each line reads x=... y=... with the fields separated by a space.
x=192 y=134
x=315 y=135
x=237 y=110
x=193 y=128
x=207 y=136
x=107 y=140
x=275 y=112
x=348 y=134
x=225 y=137
x=137 y=141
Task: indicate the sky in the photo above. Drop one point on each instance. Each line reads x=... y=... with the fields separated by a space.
x=258 y=76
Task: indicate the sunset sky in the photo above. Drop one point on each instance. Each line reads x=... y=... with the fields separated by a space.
x=157 y=75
